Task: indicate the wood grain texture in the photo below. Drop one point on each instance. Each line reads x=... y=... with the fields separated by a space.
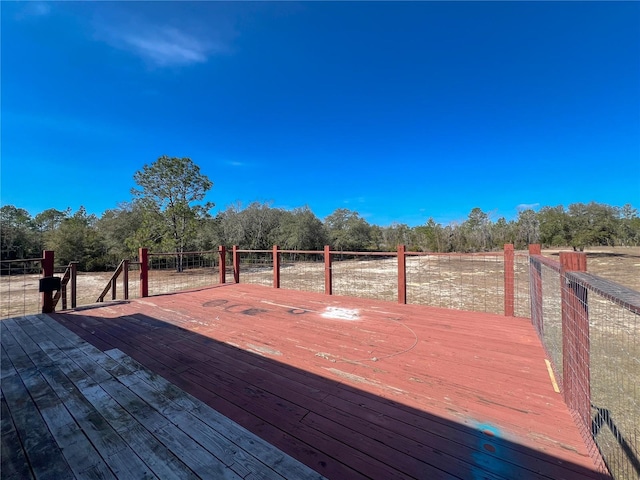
x=70 y=410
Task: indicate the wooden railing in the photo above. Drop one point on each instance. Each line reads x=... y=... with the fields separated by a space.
x=69 y=277
x=122 y=269
x=501 y=274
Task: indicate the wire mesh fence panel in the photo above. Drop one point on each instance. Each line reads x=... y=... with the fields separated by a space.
x=458 y=281
x=522 y=300
x=256 y=267
x=302 y=271
x=365 y=276
x=134 y=280
x=611 y=370
x=19 y=287
x=169 y=273
x=552 y=319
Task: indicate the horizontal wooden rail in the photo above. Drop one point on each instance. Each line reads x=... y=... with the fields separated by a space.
x=21 y=260
x=614 y=292
x=457 y=254
x=548 y=262
x=175 y=254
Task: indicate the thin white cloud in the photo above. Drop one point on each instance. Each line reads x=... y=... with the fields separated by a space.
x=161 y=46
x=234 y=163
x=527 y=206
x=166 y=46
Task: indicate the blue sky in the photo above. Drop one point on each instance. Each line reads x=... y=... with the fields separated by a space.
x=399 y=111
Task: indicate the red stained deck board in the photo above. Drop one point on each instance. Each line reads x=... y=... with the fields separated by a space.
x=268 y=359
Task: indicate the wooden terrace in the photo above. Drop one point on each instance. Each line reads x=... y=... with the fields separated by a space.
x=272 y=383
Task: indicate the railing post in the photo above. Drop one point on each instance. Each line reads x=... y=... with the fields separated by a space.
x=222 y=262
x=575 y=337
x=276 y=267
x=47 y=271
x=509 y=280
x=402 y=275
x=327 y=271
x=63 y=295
x=125 y=279
x=143 y=257
x=535 y=288
x=236 y=265
x=74 y=284
x=113 y=288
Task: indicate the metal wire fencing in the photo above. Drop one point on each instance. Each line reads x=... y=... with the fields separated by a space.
x=365 y=275
x=605 y=375
x=472 y=282
x=590 y=329
x=19 y=287
x=522 y=300
x=546 y=310
x=171 y=272
x=464 y=281
x=256 y=266
x=302 y=271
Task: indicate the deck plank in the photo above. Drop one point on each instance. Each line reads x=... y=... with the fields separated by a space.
x=64 y=393
x=397 y=392
x=14 y=464
x=72 y=411
x=40 y=448
x=135 y=376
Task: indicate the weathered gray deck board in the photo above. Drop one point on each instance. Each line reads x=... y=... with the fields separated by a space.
x=34 y=435
x=204 y=424
x=70 y=410
x=14 y=461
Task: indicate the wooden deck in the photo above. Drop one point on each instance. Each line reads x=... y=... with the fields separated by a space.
x=71 y=411
x=354 y=388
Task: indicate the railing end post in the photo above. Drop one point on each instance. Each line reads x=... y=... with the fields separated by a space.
x=276 y=267
x=328 y=286
x=222 y=263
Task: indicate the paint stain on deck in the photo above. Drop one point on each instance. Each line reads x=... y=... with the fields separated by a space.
x=341 y=313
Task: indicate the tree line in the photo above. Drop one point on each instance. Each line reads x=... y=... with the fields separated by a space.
x=168 y=214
